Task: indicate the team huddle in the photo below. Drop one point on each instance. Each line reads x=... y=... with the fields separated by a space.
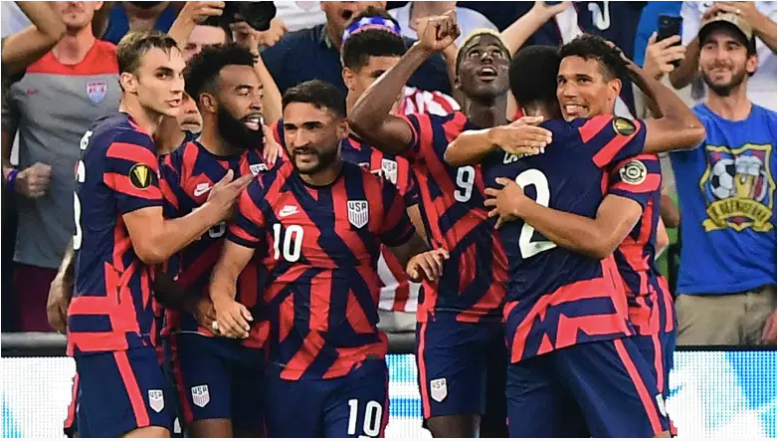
x=232 y=285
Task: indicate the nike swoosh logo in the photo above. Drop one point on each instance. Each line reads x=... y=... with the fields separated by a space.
x=287 y=211
x=201 y=191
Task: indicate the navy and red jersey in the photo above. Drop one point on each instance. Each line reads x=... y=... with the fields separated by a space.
x=557 y=298
x=650 y=303
x=397 y=292
x=320 y=248
x=113 y=306
x=472 y=288
x=187 y=177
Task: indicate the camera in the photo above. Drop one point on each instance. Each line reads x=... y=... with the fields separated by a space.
x=256 y=14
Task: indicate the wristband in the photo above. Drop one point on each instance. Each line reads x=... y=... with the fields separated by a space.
x=10 y=180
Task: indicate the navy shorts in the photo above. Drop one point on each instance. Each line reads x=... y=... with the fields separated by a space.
x=218 y=378
x=121 y=391
x=462 y=369
x=602 y=389
x=658 y=351
x=352 y=406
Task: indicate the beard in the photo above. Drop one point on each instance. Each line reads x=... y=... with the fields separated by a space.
x=725 y=89
x=324 y=158
x=236 y=133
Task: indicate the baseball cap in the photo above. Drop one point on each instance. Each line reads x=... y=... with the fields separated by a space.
x=732 y=21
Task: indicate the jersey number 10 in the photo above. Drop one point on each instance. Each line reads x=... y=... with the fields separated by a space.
x=536 y=178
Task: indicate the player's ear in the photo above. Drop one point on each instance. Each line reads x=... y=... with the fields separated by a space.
x=614 y=89
x=129 y=82
x=208 y=103
x=342 y=131
x=348 y=78
x=752 y=62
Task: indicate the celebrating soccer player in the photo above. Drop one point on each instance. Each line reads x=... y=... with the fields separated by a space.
x=120 y=234
x=558 y=299
x=318 y=224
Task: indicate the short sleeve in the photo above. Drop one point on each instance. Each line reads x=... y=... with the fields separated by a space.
x=132 y=172
x=611 y=139
x=247 y=227
x=637 y=178
x=396 y=229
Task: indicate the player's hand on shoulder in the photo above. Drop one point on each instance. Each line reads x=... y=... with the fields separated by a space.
x=504 y=202
x=34 y=180
x=522 y=137
x=232 y=318
x=438 y=32
x=225 y=193
x=427 y=265
x=58 y=302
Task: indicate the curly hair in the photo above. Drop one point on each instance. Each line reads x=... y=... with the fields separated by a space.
x=203 y=69
x=526 y=85
x=592 y=47
x=372 y=42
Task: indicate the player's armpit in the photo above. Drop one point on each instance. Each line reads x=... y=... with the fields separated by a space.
x=404 y=253
x=155 y=239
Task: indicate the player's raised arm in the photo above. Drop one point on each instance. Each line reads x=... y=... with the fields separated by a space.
x=676 y=127
x=520 y=137
x=371 y=116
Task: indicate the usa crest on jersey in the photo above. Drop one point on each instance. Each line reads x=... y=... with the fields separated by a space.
x=96 y=90
x=438 y=389
x=358 y=213
x=156 y=400
x=389 y=167
x=200 y=395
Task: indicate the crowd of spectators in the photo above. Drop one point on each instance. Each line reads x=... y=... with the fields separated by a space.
x=60 y=74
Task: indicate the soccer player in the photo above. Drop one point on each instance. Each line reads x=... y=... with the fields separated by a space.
x=460 y=348
x=218 y=379
x=372 y=45
x=318 y=223
x=120 y=235
x=558 y=300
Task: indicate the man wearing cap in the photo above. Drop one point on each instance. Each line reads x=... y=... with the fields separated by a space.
x=726 y=192
x=761 y=16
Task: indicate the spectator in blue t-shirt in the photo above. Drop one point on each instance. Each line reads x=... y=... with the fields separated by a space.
x=726 y=192
x=315 y=53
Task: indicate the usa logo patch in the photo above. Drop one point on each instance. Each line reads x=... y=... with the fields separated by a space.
x=156 y=400
x=200 y=395
x=96 y=90
x=389 y=167
x=358 y=213
x=438 y=389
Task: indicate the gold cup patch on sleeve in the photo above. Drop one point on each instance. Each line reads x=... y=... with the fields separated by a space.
x=141 y=176
x=623 y=126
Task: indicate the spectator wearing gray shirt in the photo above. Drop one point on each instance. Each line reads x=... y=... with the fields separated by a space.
x=52 y=107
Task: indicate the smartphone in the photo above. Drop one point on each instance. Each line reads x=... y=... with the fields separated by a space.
x=668 y=26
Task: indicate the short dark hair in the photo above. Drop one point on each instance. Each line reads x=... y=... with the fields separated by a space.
x=529 y=78
x=592 y=47
x=373 y=42
x=135 y=44
x=470 y=42
x=318 y=93
x=202 y=70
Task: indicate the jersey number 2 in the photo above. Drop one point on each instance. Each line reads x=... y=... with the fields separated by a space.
x=80 y=178
x=536 y=178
